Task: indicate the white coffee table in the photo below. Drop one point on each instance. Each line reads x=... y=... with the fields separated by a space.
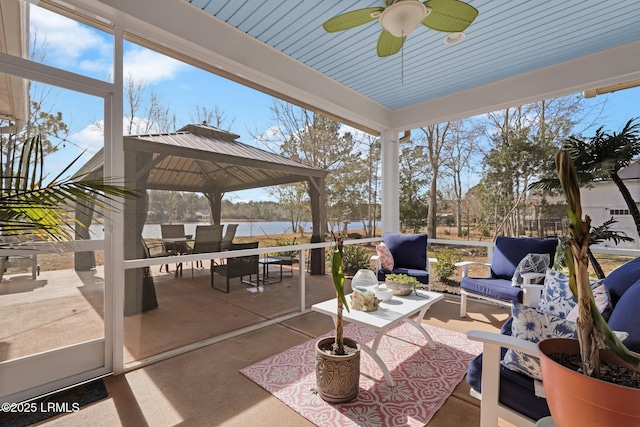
x=389 y=314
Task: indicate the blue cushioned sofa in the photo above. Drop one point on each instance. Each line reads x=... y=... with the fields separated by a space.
x=409 y=253
x=507 y=254
x=510 y=395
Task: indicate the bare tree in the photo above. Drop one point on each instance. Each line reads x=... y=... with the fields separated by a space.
x=458 y=153
x=315 y=140
x=435 y=137
x=214 y=117
x=145 y=113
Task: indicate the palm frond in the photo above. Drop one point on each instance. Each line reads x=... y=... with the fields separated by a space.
x=29 y=206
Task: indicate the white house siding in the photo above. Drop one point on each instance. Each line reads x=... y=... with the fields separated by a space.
x=602 y=200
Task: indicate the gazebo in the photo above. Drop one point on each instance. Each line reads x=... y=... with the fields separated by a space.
x=203 y=159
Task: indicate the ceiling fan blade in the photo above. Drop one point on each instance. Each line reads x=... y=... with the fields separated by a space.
x=388 y=44
x=352 y=19
x=449 y=16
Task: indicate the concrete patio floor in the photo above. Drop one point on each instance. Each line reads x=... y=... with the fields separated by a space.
x=204 y=387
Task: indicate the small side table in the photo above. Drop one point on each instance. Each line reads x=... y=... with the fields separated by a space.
x=266 y=262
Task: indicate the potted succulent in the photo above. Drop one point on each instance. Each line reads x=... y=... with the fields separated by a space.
x=401 y=284
x=582 y=398
x=338 y=358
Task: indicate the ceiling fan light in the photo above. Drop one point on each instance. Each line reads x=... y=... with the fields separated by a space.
x=401 y=18
x=454 y=38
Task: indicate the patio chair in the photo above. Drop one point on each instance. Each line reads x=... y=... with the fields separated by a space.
x=403 y=254
x=229 y=234
x=499 y=287
x=286 y=258
x=238 y=266
x=208 y=238
x=149 y=253
x=514 y=396
x=18 y=260
x=174 y=231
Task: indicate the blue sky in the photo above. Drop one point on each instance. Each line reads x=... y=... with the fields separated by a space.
x=75 y=47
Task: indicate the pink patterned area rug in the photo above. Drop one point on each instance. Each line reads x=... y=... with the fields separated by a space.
x=424 y=378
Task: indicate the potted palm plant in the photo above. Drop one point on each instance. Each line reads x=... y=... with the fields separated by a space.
x=583 y=398
x=338 y=358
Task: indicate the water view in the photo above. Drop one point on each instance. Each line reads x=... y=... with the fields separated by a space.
x=245 y=229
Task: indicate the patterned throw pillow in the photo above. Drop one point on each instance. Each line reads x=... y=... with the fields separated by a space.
x=386 y=259
x=556 y=297
x=531 y=325
x=531 y=263
x=603 y=302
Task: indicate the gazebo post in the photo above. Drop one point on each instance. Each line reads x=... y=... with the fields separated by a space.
x=139 y=292
x=215 y=206
x=86 y=260
x=316 y=193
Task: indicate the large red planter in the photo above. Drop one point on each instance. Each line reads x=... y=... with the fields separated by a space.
x=575 y=399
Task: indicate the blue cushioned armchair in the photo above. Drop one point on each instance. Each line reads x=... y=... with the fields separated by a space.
x=511 y=395
x=497 y=288
x=409 y=253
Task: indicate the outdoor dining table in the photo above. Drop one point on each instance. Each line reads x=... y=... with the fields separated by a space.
x=177 y=241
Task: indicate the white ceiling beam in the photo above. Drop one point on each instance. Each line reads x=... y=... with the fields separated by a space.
x=616 y=65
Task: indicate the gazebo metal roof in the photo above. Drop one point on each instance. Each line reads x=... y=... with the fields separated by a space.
x=202 y=158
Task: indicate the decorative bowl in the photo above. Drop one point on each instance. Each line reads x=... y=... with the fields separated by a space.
x=399 y=289
x=384 y=293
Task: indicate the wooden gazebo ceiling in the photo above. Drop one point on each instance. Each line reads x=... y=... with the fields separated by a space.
x=200 y=158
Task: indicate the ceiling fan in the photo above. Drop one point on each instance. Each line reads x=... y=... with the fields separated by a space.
x=401 y=17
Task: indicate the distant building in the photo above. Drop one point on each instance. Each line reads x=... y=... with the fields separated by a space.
x=603 y=201
x=202 y=217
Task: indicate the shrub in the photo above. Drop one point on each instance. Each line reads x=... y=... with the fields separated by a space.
x=286 y=242
x=354 y=257
x=445 y=268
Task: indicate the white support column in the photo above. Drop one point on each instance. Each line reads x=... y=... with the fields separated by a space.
x=114 y=240
x=390 y=181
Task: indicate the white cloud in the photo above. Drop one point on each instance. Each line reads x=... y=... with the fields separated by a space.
x=90 y=138
x=273 y=133
x=69 y=44
x=66 y=41
x=150 y=66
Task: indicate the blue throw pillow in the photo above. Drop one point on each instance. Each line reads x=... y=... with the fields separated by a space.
x=556 y=297
x=408 y=250
x=625 y=317
x=531 y=263
x=621 y=279
x=531 y=325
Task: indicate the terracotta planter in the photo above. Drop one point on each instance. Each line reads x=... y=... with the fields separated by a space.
x=575 y=399
x=337 y=377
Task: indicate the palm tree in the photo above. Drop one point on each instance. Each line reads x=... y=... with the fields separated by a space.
x=31 y=207
x=604 y=155
x=600 y=158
